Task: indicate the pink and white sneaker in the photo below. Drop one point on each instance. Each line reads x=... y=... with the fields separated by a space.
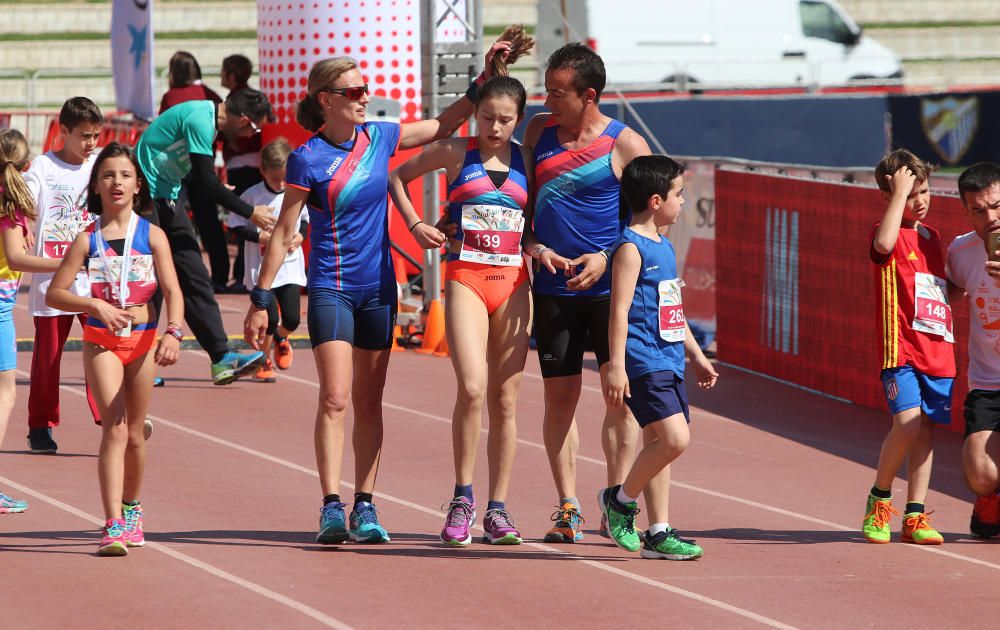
x=458 y=525
x=113 y=541
x=500 y=528
x=133 y=525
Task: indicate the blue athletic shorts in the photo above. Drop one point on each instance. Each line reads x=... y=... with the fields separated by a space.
x=907 y=388
x=365 y=318
x=8 y=341
x=656 y=396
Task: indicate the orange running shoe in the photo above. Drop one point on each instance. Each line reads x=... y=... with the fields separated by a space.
x=917 y=530
x=985 y=522
x=265 y=373
x=568 y=523
x=283 y=354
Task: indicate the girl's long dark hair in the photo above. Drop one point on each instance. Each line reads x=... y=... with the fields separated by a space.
x=142 y=203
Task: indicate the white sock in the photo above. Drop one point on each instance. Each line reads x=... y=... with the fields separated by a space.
x=656 y=528
x=623 y=498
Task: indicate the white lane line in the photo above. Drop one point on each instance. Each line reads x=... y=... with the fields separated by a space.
x=194 y=562
x=437 y=513
x=692 y=488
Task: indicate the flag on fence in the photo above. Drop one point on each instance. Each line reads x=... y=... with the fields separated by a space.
x=132 y=56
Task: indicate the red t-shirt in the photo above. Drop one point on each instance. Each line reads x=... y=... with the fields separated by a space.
x=914 y=318
x=195 y=92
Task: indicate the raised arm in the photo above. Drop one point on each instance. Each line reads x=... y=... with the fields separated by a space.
x=901 y=184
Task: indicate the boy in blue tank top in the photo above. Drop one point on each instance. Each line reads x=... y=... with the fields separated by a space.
x=648 y=338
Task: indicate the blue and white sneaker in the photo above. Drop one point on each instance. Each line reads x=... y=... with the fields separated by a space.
x=332 y=524
x=10 y=505
x=365 y=527
x=234 y=365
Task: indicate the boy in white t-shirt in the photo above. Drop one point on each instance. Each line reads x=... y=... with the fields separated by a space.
x=291 y=277
x=973 y=268
x=58 y=182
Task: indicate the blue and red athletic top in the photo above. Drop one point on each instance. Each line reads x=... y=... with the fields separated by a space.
x=576 y=206
x=141 y=283
x=348 y=206
x=474 y=186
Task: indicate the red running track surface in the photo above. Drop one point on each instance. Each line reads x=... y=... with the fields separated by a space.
x=773 y=487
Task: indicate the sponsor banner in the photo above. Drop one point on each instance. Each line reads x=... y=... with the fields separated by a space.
x=796 y=294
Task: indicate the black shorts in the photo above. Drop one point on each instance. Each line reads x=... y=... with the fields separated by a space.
x=656 y=396
x=564 y=328
x=982 y=411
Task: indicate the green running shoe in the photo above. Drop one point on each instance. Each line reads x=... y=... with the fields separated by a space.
x=875 y=527
x=234 y=365
x=669 y=545
x=621 y=519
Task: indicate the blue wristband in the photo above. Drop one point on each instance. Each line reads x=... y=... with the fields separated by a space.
x=261 y=298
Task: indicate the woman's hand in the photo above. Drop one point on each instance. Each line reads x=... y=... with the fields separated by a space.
x=167 y=350
x=428 y=236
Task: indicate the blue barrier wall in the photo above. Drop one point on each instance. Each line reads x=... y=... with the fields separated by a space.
x=817 y=130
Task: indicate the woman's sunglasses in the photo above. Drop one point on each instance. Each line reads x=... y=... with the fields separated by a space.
x=350 y=93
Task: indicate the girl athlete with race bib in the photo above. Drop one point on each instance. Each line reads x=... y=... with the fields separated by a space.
x=487 y=298
x=126 y=258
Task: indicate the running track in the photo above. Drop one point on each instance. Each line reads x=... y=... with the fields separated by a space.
x=773 y=488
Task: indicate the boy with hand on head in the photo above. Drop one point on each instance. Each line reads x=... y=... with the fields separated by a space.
x=918 y=358
x=57 y=180
x=291 y=277
x=648 y=338
x=973 y=266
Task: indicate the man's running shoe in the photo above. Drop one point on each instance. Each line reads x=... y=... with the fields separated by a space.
x=458 y=524
x=917 y=530
x=234 y=365
x=113 y=542
x=332 y=525
x=40 y=441
x=985 y=522
x=10 y=505
x=568 y=525
x=500 y=529
x=132 y=514
x=875 y=526
x=283 y=354
x=265 y=373
x=669 y=545
x=365 y=527
x=621 y=519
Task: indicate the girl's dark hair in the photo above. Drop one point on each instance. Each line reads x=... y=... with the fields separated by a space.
x=645 y=176
x=183 y=70
x=505 y=86
x=142 y=203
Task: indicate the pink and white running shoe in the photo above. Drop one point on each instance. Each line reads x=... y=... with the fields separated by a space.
x=458 y=525
x=133 y=525
x=500 y=528
x=113 y=541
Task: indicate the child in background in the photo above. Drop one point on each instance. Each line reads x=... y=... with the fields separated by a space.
x=126 y=259
x=918 y=357
x=58 y=183
x=16 y=211
x=284 y=313
x=648 y=338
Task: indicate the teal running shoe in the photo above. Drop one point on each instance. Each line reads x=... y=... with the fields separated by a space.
x=669 y=545
x=365 y=527
x=621 y=519
x=10 y=505
x=234 y=365
x=332 y=524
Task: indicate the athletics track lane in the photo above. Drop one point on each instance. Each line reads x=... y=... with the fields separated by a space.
x=254 y=518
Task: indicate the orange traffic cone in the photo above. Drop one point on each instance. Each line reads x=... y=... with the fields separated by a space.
x=397 y=332
x=442 y=350
x=433 y=329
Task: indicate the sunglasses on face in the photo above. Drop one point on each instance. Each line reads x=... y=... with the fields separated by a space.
x=353 y=93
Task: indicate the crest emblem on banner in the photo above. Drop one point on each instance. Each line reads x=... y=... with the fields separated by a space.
x=950 y=124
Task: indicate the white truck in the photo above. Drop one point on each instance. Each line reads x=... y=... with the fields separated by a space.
x=719 y=42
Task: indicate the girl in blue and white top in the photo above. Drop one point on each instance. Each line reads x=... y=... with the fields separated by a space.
x=648 y=338
x=341 y=174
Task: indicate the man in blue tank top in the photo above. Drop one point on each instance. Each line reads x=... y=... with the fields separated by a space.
x=579 y=157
